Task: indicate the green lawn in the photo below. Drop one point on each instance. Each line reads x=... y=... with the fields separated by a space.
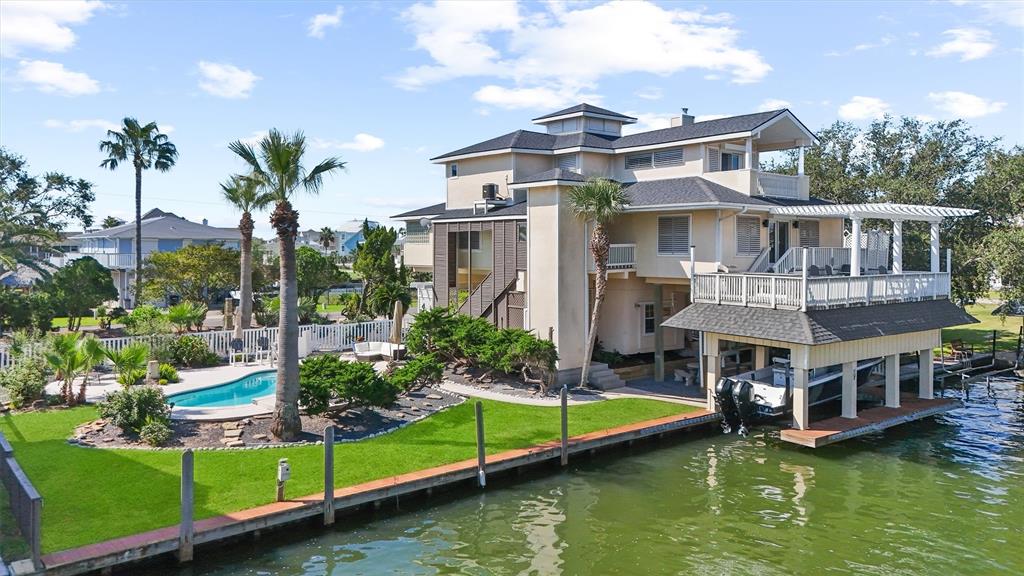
x=90 y=495
x=980 y=334
x=62 y=322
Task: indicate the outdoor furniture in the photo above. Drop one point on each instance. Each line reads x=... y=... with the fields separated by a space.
x=263 y=350
x=960 y=350
x=236 y=349
x=813 y=270
x=371 y=351
x=829 y=271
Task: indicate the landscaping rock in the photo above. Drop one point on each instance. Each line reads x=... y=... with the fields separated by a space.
x=260 y=437
x=235 y=433
x=235 y=444
x=434 y=397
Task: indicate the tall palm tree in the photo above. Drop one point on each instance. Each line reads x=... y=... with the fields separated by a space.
x=246 y=195
x=276 y=162
x=145 y=147
x=598 y=201
x=326 y=237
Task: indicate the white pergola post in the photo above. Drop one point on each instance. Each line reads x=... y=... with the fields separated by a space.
x=935 y=246
x=897 y=246
x=800 y=163
x=925 y=371
x=801 y=410
x=855 y=248
x=892 y=381
x=849 y=389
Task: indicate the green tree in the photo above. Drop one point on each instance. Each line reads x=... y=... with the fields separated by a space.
x=245 y=195
x=316 y=273
x=129 y=363
x=145 y=147
x=73 y=357
x=195 y=272
x=598 y=202
x=326 y=237
x=111 y=222
x=374 y=260
x=278 y=167
x=80 y=286
x=186 y=315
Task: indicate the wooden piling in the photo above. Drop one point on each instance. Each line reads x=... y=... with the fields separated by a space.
x=481 y=474
x=329 y=475
x=565 y=425
x=187 y=529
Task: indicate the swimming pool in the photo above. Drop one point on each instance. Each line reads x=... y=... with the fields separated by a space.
x=235 y=393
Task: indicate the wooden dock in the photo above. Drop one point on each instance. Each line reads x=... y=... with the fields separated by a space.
x=870 y=420
x=131 y=549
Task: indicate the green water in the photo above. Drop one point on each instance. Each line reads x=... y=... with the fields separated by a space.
x=939 y=497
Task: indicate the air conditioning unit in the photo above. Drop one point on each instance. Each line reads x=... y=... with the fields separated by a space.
x=490 y=191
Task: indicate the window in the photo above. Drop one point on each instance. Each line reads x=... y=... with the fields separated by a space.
x=563 y=126
x=670 y=157
x=748 y=235
x=521 y=231
x=674 y=235
x=714 y=159
x=474 y=240
x=568 y=162
x=731 y=161
x=453 y=170
x=638 y=161
x=416 y=233
x=648 y=318
x=809 y=233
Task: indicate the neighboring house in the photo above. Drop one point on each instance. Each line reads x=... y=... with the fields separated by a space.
x=162 y=231
x=346 y=238
x=703 y=224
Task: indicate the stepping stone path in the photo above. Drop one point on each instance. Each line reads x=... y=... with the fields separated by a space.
x=434 y=397
x=260 y=437
x=235 y=444
x=234 y=433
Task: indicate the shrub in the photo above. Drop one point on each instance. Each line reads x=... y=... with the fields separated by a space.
x=129 y=363
x=155 y=432
x=317 y=376
x=168 y=374
x=25 y=381
x=360 y=385
x=428 y=327
x=469 y=337
x=267 y=311
x=146 y=320
x=131 y=408
x=322 y=378
x=186 y=315
x=420 y=370
x=192 y=352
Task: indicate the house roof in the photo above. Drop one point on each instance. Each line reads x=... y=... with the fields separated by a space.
x=431 y=210
x=515 y=211
x=554 y=174
x=698 y=190
x=169 y=227
x=585 y=108
x=821 y=326
x=529 y=140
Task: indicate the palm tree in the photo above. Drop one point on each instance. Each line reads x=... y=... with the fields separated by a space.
x=73 y=356
x=246 y=195
x=326 y=237
x=129 y=362
x=599 y=201
x=276 y=163
x=145 y=147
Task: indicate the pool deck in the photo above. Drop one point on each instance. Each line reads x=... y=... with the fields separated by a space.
x=129 y=549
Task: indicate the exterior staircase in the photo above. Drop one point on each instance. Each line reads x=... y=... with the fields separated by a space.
x=601 y=377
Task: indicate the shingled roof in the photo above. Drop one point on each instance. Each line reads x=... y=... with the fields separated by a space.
x=553 y=174
x=821 y=326
x=432 y=210
x=698 y=190
x=585 y=108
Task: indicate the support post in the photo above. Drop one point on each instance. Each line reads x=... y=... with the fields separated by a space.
x=748 y=154
x=800 y=163
x=714 y=372
x=926 y=376
x=855 y=248
x=801 y=409
x=760 y=357
x=481 y=473
x=186 y=529
x=850 y=389
x=659 y=335
x=693 y=265
x=803 y=279
x=565 y=425
x=935 y=246
x=328 y=475
x=897 y=247
x=892 y=381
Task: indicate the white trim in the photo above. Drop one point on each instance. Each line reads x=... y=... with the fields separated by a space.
x=643 y=319
x=793 y=118
x=730 y=136
x=478 y=218
x=695 y=206
x=546 y=183
x=876 y=210
x=584 y=113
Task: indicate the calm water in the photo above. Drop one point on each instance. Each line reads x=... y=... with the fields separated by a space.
x=942 y=497
x=235 y=393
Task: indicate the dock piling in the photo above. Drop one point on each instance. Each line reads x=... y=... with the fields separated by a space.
x=329 y=475
x=565 y=425
x=187 y=529
x=481 y=474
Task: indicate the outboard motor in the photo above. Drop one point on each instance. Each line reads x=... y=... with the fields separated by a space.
x=743 y=400
x=723 y=396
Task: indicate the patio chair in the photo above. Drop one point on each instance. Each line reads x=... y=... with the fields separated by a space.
x=263 y=350
x=960 y=350
x=236 y=349
x=829 y=271
x=882 y=270
x=844 y=270
x=813 y=270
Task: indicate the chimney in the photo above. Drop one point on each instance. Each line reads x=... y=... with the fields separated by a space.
x=206 y=222
x=684 y=119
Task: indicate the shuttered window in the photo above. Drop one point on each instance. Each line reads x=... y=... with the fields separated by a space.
x=674 y=235
x=671 y=157
x=714 y=159
x=638 y=161
x=809 y=233
x=748 y=235
x=568 y=162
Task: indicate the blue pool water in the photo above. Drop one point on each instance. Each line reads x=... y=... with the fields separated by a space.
x=236 y=393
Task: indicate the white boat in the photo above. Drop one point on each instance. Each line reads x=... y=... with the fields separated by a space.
x=768 y=392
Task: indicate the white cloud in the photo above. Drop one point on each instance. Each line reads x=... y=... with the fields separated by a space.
x=554 y=54
x=82 y=125
x=648 y=121
x=254 y=138
x=52 y=77
x=773 y=104
x=863 y=108
x=964 y=105
x=361 y=142
x=649 y=93
x=226 y=80
x=881 y=43
x=321 y=22
x=968 y=43
x=42 y=25
x=167 y=128
x=999 y=12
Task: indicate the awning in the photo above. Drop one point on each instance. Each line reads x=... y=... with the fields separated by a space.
x=875 y=210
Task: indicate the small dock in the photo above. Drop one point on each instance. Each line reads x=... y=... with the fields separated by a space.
x=870 y=420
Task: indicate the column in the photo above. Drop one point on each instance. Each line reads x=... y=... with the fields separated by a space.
x=718 y=239
x=897 y=246
x=935 y=246
x=760 y=357
x=892 y=381
x=855 y=248
x=850 y=389
x=714 y=372
x=926 y=376
x=659 y=336
x=800 y=163
x=748 y=153
x=801 y=410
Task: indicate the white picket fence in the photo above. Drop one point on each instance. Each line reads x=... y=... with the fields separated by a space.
x=316 y=337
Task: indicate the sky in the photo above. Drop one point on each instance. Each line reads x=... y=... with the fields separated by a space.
x=388 y=85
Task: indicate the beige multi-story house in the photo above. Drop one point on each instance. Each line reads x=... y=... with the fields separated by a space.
x=703 y=224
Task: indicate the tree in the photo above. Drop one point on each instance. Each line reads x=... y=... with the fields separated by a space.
x=111 y=222
x=599 y=201
x=145 y=147
x=374 y=260
x=316 y=273
x=80 y=286
x=129 y=362
x=326 y=237
x=72 y=357
x=196 y=272
x=278 y=167
x=244 y=195
x=186 y=315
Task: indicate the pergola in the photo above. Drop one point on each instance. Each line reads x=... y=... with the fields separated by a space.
x=897 y=213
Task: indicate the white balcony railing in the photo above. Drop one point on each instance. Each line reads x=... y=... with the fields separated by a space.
x=779 y=185
x=620 y=257
x=825 y=258
x=806 y=293
x=106 y=259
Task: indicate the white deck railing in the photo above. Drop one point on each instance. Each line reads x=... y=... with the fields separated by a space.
x=106 y=259
x=830 y=257
x=620 y=257
x=798 y=292
x=778 y=185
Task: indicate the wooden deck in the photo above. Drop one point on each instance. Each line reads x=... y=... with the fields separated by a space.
x=870 y=420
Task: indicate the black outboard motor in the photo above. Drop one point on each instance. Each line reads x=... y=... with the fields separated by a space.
x=743 y=400
x=723 y=396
